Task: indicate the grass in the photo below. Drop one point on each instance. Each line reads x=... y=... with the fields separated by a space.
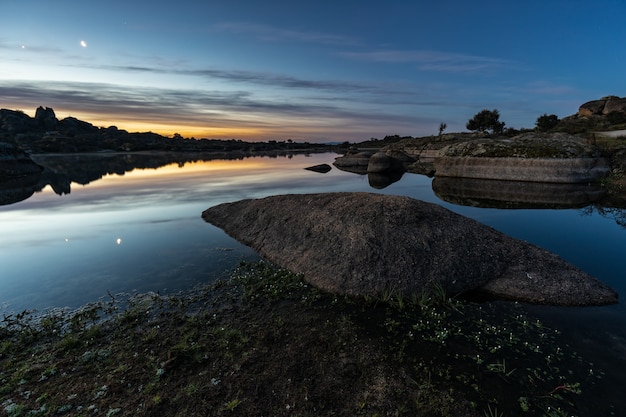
x=265 y=343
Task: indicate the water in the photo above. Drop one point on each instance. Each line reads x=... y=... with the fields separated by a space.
x=142 y=231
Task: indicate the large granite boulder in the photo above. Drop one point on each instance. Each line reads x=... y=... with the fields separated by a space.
x=604 y=106
x=354 y=161
x=361 y=243
x=390 y=161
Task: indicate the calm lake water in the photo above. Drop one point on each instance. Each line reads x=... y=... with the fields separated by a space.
x=142 y=231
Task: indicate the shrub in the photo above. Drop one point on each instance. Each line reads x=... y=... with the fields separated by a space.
x=486 y=120
x=546 y=122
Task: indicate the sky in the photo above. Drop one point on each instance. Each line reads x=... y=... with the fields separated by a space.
x=316 y=71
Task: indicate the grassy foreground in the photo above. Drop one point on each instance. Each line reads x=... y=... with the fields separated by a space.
x=263 y=343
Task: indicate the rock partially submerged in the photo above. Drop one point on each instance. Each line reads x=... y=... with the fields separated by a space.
x=321 y=168
x=365 y=244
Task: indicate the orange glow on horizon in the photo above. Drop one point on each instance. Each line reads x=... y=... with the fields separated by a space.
x=275 y=129
x=170 y=128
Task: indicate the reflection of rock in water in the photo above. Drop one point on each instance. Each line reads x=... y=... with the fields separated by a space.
x=380 y=181
x=19 y=174
x=60 y=171
x=14 y=190
x=514 y=194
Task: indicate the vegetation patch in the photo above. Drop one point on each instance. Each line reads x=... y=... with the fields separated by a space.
x=265 y=343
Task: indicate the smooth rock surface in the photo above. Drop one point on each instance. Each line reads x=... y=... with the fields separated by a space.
x=362 y=243
x=545 y=170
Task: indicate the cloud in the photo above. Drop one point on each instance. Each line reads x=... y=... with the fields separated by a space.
x=548 y=88
x=249 y=77
x=432 y=60
x=217 y=108
x=269 y=33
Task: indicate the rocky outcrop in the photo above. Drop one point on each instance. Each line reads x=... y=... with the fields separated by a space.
x=44 y=133
x=604 y=106
x=546 y=170
x=380 y=162
x=354 y=160
x=364 y=244
x=45 y=118
x=552 y=158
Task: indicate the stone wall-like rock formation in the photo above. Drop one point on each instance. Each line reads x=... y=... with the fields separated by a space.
x=365 y=244
x=554 y=158
x=550 y=170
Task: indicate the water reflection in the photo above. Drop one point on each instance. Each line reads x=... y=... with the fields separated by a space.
x=61 y=171
x=127 y=226
x=13 y=190
x=134 y=229
x=515 y=194
x=132 y=222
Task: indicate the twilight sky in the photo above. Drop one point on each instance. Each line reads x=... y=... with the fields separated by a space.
x=316 y=71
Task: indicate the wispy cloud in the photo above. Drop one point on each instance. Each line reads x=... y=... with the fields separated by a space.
x=194 y=107
x=250 y=77
x=432 y=60
x=269 y=33
x=548 y=88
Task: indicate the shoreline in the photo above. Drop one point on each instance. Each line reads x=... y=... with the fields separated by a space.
x=263 y=342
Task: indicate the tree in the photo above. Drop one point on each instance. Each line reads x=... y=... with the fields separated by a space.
x=486 y=120
x=442 y=127
x=546 y=122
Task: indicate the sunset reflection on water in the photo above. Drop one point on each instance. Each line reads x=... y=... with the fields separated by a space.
x=140 y=231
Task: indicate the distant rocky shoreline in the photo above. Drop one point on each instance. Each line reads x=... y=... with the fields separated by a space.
x=44 y=133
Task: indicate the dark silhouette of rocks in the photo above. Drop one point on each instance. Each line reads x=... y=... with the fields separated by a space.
x=366 y=244
x=46 y=134
x=45 y=118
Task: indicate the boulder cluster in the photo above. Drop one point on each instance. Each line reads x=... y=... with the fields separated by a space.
x=604 y=106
